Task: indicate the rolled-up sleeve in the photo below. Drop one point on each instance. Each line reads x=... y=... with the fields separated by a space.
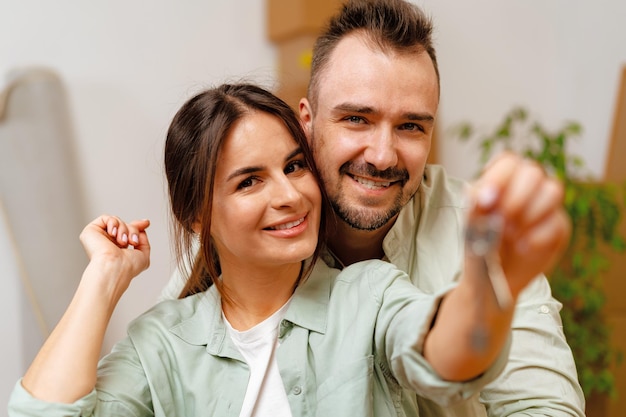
x=122 y=390
x=23 y=404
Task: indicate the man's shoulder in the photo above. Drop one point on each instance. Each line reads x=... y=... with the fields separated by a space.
x=426 y=239
x=438 y=197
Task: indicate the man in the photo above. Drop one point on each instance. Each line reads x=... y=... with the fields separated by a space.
x=370 y=113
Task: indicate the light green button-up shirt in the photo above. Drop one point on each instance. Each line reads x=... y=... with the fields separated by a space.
x=540 y=378
x=350 y=345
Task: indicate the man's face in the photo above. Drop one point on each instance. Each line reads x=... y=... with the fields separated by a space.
x=371 y=129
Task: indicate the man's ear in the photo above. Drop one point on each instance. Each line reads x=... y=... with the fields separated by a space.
x=306 y=116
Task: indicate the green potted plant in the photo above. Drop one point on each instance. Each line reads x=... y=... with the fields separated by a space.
x=596 y=210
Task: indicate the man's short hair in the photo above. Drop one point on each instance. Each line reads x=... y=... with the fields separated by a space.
x=389 y=25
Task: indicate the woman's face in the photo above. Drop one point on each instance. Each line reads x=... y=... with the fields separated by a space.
x=266 y=202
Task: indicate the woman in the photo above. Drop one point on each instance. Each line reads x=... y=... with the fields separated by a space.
x=262 y=327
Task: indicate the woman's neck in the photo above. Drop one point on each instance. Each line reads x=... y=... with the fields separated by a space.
x=253 y=294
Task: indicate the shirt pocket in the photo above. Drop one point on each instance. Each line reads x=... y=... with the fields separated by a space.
x=348 y=391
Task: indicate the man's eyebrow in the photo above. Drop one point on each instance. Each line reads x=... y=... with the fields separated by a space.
x=356 y=108
x=252 y=169
x=420 y=117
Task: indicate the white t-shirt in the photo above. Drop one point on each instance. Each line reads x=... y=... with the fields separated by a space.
x=265 y=395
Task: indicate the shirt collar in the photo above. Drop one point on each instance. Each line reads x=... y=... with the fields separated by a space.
x=406 y=227
x=308 y=309
x=309 y=306
x=205 y=326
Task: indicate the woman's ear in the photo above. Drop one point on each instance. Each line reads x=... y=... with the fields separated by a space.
x=196 y=227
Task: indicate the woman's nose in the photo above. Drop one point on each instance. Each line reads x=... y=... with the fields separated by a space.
x=284 y=193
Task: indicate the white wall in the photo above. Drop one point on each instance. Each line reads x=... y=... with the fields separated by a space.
x=129 y=65
x=560 y=59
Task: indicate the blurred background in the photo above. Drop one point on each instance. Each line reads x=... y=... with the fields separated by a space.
x=88 y=89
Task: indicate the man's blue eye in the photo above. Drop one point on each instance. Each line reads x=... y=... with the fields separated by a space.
x=355 y=119
x=412 y=127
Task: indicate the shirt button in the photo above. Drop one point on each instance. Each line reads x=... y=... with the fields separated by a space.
x=297 y=390
x=544 y=309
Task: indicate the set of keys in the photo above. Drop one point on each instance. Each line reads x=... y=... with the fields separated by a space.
x=482 y=239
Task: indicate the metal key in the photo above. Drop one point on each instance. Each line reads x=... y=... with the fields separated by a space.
x=482 y=237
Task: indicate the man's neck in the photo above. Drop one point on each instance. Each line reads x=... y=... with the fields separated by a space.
x=351 y=245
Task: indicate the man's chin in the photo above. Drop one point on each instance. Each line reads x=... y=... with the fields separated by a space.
x=365 y=219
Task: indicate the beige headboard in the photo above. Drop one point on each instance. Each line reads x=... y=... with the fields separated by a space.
x=41 y=204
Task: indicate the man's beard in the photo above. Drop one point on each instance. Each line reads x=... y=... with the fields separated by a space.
x=366 y=218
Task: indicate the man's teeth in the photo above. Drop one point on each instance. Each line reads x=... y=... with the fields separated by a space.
x=288 y=225
x=373 y=185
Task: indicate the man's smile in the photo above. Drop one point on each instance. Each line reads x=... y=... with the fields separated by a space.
x=371 y=184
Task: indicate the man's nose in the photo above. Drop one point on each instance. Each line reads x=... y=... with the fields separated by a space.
x=381 y=150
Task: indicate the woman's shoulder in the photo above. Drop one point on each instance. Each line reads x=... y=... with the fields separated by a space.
x=376 y=269
x=370 y=279
x=168 y=314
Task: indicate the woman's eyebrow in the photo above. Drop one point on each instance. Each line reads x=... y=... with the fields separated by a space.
x=244 y=171
x=293 y=153
x=252 y=169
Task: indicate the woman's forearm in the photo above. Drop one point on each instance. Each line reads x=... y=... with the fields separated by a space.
x=469 y=332
x=65 y=368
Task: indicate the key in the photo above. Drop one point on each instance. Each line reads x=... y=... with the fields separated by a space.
x=482 y=237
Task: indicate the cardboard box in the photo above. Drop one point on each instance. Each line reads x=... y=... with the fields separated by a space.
x=294 y=60
x=615 y=169
x=292 y=94
x=290 y=18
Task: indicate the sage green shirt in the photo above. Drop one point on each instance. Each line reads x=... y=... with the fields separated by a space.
x=350 y=345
